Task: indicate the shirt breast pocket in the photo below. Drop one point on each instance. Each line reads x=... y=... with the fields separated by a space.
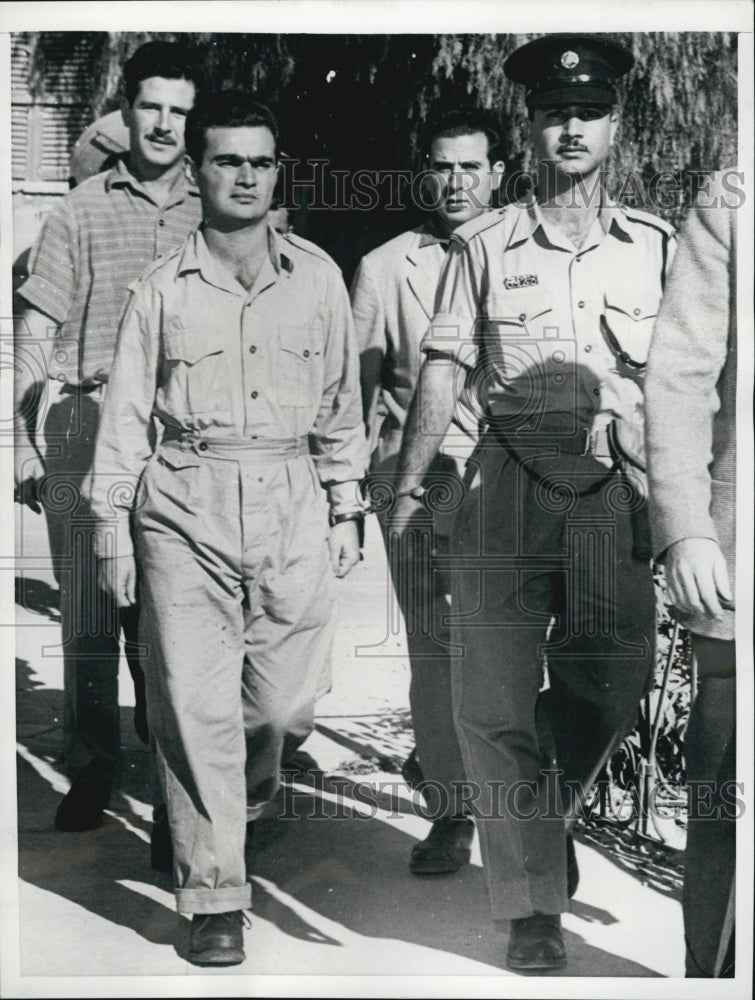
x=519 y=328
x=628 y=320
x=300 y=365
x=194 y=373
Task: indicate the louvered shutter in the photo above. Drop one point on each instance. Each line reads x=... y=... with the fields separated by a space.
x=46 y=124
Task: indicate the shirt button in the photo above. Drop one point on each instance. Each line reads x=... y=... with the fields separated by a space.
x=522 y=317
x=255 y=394
x=202 y=446
x=588 y=348
x=581 y=303
x=161 y=222
x=637 y=312
x=253 y=348
x=306 y=354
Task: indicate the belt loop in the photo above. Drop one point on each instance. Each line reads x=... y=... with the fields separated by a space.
x=588 y=442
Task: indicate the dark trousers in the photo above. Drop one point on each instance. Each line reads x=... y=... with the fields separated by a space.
x=91 y=624
x=552 y=577
x=422 y=587
x=710 y=855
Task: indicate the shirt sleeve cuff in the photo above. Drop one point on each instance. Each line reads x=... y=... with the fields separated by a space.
x=451 y=335
x=47 y=298
x=345 y=498
x=113 y=540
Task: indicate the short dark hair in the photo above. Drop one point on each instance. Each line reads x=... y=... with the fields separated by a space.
x=463 y=120
x=170 y=60
x=225 y=109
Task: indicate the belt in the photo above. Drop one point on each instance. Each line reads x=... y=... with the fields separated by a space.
x=224 y=447
x=71 y=389
x=584 y=442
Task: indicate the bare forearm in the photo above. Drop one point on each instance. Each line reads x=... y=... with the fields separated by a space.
x=429 y=417
x=32 y=352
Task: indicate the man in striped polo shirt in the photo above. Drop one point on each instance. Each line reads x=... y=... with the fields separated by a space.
x=93 y=245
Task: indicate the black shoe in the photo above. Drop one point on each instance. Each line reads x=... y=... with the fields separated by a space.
x=572 y=868
x=161 y=847
x=445 y=849
x=217 y=938
x=83 y=806
x=536 y=943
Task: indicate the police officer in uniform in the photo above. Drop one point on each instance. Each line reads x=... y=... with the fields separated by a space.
x=548 y=307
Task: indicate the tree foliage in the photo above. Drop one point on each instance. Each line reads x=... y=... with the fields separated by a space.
x=361 y=101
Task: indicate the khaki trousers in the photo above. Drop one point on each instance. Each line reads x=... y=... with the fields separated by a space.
x=237 y=621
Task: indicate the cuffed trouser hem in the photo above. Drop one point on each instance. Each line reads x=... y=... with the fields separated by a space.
x=224 y=900
x=525 y=899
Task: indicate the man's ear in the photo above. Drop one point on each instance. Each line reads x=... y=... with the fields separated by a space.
x=126 y=114
x=190 y=170
x=615 y=122
x=497 y=171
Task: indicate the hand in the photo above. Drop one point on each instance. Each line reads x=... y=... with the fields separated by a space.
x=344 y=547
x=28 y=474
x=117 y=577
x=696 y=577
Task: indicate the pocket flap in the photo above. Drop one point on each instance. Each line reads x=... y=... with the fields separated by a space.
x=303 y=341
x=188 y=344
x=520 y=307
x=632 y=303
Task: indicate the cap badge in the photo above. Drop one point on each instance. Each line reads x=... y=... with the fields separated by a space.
x=569 y=60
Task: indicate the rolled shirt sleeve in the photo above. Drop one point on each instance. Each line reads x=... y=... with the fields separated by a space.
x=53 y=265
x=454 y=327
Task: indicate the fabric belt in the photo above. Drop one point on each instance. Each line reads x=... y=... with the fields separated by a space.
x=273 y=448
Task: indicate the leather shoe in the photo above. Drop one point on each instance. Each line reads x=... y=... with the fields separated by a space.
x=445 y=849
x=217 y=938
x=161 y=846
x=83 y=806
x=536 y=943
x=572 y=868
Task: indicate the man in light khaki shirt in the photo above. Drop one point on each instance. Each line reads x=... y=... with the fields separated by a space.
x=393 y=298
x=241 y=345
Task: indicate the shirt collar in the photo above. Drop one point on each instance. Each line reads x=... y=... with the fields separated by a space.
x=431 y=234
x=611 y=217
x=196 y=256
x=120 y=176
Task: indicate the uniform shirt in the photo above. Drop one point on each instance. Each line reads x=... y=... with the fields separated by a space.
x=93 y=245
x=393 y=300
x=211 y=360
x=522 y=306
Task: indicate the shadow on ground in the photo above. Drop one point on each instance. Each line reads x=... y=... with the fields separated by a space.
x=322 y=862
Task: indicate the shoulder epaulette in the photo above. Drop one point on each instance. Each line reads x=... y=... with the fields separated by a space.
x=468 y=230
x=301 y=244
x=162 y=261
x=648 y=219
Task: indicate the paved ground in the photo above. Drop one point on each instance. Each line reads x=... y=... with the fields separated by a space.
x=332 y=892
